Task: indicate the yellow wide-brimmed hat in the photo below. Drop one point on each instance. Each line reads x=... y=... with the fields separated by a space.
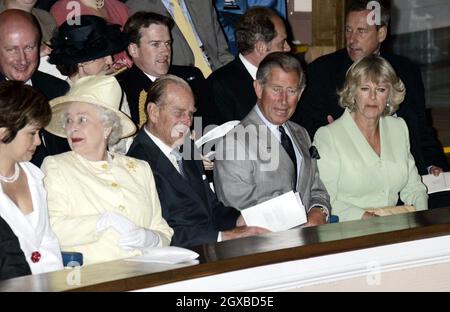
x=103 y=91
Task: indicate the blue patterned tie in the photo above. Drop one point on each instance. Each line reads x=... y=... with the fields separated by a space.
x=179 y=159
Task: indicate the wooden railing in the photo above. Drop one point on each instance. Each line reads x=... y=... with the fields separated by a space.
x=246 y=253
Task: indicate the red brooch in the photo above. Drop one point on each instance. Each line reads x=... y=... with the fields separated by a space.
x=35 y=256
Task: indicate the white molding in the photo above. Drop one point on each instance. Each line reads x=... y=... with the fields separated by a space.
x=296 y=274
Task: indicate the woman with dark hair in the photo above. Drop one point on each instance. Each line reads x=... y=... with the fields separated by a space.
x=86 y=49
x=23 y=200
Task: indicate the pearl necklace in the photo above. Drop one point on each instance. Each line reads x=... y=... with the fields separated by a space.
x=12 y=178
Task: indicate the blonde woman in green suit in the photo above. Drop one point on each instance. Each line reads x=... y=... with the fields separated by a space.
x=365 y=159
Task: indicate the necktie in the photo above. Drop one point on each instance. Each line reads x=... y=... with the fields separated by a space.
x=188 y=33
x=289 y=148
x=179 y=161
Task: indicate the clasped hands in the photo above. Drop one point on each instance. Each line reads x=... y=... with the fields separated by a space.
x=131 y=235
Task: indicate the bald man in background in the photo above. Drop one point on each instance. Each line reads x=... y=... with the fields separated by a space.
x=19 y=58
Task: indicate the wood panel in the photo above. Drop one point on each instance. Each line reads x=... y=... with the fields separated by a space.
x=441 y=122
x=301 y=243
x=300 y=24
x=328 y=23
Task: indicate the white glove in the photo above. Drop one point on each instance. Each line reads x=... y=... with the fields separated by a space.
x=139 y=238
x=119 y=222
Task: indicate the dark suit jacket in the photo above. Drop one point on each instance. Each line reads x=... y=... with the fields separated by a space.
x=12 y=259
x=232 y=92
x=45 y=4
x=51 y=87
x=327 y=74
x=188 y=205
x=134 y=81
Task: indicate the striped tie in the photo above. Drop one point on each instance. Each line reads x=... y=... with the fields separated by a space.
x=188 y=33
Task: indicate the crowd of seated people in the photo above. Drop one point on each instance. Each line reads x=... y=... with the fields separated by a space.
x=105 y=163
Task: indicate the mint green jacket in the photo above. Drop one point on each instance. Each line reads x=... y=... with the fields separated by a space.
x=357 y=178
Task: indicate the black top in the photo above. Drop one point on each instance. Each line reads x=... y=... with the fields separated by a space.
x=134 y=81
x=12 y=258
x=232 y=93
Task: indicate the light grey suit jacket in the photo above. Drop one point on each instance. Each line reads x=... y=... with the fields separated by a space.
x=267 y=170
x=204 y=18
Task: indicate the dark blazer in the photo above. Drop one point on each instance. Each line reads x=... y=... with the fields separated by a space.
x=45 y=4
x=134 y=81
x=12 y=259
x=51 y=87
x=188 y=205
x=232 y=92
x=327 y=74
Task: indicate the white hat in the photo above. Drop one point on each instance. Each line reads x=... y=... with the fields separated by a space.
x=101 y=90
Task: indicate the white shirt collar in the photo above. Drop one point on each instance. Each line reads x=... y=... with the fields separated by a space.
x=166 y=149
x=273 y=128
x=252 y=69
x=28 y=82
x=152 y=78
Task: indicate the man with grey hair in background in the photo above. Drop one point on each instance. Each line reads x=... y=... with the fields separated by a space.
x=259 y=32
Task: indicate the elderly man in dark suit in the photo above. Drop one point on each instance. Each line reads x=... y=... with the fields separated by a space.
x=259 y=32
x=319 y=103
x=188 y=204
x=150 y=48
x=267 y=155
x=19 y=58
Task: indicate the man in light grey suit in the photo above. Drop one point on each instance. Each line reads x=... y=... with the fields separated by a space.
x=204 y=20
x=266 y=155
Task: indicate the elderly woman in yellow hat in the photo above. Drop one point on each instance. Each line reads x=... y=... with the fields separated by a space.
x=102 y=204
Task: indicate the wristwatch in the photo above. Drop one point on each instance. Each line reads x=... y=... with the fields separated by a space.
x=324 y=211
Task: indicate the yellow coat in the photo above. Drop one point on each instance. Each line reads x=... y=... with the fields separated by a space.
x=357 y=178
x=79 y=191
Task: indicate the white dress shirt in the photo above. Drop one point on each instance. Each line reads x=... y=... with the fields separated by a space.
x=33 y=230
x=274 y=129
x=252 y=69
x=166 y=149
